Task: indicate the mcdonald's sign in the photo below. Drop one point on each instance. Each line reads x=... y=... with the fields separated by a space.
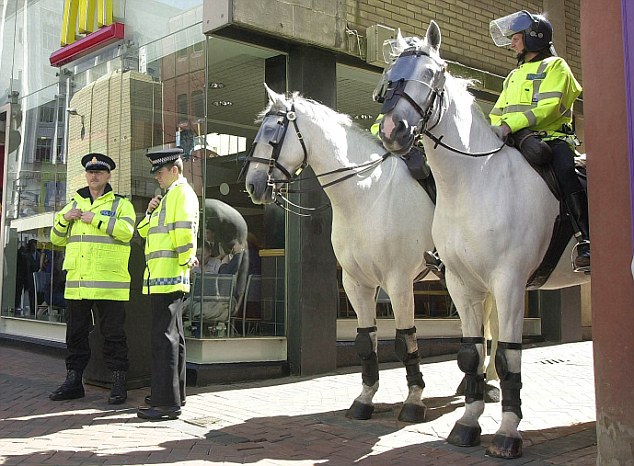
x=87 y=26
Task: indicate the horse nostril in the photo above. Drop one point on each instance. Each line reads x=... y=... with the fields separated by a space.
x=401 y=127
x=250 y=188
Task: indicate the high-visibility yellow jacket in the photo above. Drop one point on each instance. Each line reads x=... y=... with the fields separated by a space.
x=97 y=253
x=538 y=96
x=170 y=240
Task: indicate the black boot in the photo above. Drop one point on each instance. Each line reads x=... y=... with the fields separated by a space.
x=71 y=389
x=577 y=204
x=118 y=394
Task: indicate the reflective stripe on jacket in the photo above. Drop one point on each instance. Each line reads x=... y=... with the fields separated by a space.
x=537 y=95
x=170 y=240
x=97 y=253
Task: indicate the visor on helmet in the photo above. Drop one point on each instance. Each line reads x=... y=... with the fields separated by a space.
x=502 y=29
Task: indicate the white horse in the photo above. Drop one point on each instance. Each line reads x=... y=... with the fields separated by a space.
x=381 y=223
x=492 y=226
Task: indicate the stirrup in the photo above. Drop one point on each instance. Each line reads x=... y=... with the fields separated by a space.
x=573 y=258
x=433 y=262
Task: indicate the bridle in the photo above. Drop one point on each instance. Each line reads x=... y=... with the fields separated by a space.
x=434 y=103
x=284 y=119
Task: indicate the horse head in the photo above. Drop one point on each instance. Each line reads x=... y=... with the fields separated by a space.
x=271 y=164
x=418 y=76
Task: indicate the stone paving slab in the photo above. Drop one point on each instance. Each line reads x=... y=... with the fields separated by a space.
x=295 y=420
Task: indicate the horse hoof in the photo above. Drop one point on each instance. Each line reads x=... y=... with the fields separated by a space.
x=413 y=413
x=360 y=411
x=491 y=394
x=505 y=447
x=464 y=436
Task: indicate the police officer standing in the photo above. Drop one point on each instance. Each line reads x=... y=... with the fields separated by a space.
x=96 y=228
x=170 y=228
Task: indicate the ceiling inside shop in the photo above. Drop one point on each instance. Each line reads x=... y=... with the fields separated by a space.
x=242 y=97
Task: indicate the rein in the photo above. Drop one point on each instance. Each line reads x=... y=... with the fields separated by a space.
x=426 y=115
x=437 y=93
x=291 y=116
x=438 y=142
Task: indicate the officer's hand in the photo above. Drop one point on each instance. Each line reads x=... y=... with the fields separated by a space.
x=87 y=217
x=501 y=131
x=72 y=214
x=153 y=204
x=193 y=262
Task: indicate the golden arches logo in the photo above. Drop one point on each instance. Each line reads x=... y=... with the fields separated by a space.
x=80 y=18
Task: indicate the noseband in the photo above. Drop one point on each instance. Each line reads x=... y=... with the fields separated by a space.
x=396 y=89
x=276 y=142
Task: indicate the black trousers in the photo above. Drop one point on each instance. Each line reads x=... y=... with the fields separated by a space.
x=564 y=166
x=111 y=315
x=168 y=350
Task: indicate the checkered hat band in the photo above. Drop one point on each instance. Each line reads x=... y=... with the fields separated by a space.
x=169 y=158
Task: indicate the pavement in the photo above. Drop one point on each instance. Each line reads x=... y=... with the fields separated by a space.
x=294 y=420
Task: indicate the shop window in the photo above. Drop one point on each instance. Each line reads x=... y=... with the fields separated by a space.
x=43 y=150
x=47 y=114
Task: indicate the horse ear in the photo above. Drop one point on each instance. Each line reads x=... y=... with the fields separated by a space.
x=273 y=96
x=400 y=40
x=433 y=35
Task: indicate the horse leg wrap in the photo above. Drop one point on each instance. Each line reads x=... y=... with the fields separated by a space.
x=409 y=358
x=469 y=363
x=510 y=382
x=365 y=346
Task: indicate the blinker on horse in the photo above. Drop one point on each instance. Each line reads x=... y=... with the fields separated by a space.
x=375 y=237
x=492 y=225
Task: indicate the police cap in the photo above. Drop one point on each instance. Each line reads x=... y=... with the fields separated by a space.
x=96 y=161
x=162 y=157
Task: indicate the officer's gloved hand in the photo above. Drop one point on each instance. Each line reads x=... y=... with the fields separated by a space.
x=530 y=144
x=501 y=131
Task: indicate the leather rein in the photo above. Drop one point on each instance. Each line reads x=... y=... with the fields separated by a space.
x=283 y=190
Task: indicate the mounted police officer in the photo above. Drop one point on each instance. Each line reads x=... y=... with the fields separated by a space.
x=96 y=228
x=538 y=96
x=170 y=228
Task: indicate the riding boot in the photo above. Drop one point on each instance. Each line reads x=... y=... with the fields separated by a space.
x=118 y=393
x=577 y=204
x=71 y=389
x=432 y=260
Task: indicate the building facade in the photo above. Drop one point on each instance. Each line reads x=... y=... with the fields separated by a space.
x=190 y=73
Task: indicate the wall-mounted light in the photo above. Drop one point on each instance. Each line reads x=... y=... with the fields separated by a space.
x=364 y=116
x=73 y=112
x=222 y=103
x=215 y=85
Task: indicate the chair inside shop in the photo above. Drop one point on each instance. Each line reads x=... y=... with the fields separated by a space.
x=212 y=304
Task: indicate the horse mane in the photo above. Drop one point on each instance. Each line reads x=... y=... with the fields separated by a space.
x=321 y=114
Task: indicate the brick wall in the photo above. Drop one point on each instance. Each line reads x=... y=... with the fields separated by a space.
x=464 y=27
